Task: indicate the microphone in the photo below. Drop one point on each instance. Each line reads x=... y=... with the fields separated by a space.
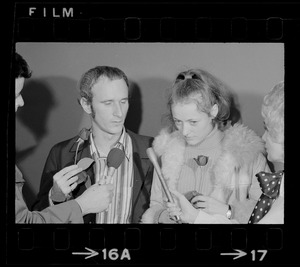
x=152 y=156
x=114 y=159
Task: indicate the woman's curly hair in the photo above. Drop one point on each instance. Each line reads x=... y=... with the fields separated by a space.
x=273 y=112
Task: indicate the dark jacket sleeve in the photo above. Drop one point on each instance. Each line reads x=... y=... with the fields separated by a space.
x=143 y=173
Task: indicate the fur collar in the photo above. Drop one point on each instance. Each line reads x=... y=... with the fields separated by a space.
x=240 y=147
x=170 y=147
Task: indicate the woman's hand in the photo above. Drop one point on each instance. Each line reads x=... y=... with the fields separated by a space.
x=209 y=205
x=186 y=212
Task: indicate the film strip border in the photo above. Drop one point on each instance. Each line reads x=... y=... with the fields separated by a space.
x=156 y=243
x=141 y=245
x=166 y=29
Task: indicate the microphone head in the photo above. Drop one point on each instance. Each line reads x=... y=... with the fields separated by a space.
x=115 y=157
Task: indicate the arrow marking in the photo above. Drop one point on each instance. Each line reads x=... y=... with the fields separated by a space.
x=238 y=254
x=90 y=254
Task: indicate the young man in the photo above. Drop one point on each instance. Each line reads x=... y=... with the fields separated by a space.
x=104 y=97
x=95 y=199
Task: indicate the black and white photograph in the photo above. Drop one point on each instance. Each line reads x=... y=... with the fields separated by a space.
x=199 y=109
x=143 y=139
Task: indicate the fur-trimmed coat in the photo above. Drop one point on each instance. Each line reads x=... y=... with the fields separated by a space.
x=232 y=174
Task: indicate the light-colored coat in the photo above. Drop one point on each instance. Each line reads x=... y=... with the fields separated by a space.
x=233 y=174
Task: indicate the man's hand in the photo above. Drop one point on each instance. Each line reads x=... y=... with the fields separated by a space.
x=65 y=181
x=96 y=198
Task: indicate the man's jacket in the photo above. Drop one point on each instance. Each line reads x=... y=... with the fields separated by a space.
x=63 y=155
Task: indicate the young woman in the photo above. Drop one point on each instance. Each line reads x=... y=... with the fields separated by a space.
x=214 y=168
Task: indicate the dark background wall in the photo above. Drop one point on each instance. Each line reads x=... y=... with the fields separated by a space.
x=52 y=114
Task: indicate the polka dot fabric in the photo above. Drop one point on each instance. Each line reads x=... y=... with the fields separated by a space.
x=270 y=185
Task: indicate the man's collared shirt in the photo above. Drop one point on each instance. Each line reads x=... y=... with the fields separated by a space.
x=119 y=211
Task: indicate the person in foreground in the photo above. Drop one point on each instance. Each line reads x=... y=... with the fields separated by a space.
x=97 y=198
x=270 y=206
x=104 y=96
x=214 y=168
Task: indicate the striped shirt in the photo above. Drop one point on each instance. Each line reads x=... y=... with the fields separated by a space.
x=119 y=211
